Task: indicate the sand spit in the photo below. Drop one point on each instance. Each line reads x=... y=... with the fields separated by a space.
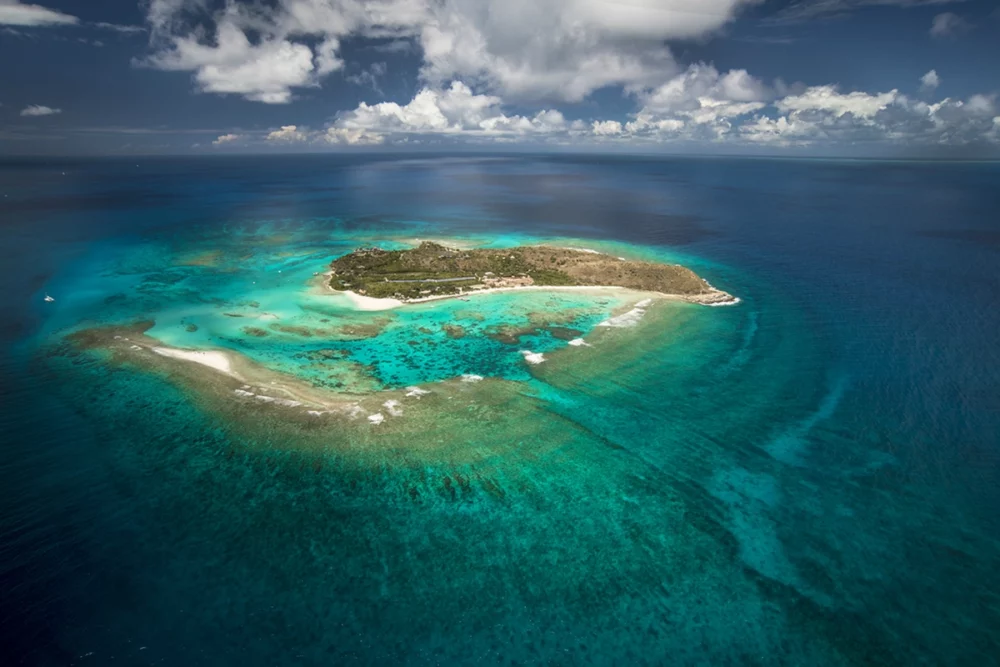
x=237 y=384
x=319 y=422
x=226 y=372
x=211 y=358
x=367 y=303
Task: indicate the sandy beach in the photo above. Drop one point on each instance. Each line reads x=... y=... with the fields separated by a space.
x=367 y=303
x=211 y=358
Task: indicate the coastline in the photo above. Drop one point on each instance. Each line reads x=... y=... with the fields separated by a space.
x=367 y=303
x=371 y=304
x=690 y=287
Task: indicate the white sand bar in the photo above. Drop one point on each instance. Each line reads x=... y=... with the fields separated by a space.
x=213 y=359
x=368 y=303
x=533 y=357
x=362 y=302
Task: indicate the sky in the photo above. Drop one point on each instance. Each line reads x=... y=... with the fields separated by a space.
x=878 y=78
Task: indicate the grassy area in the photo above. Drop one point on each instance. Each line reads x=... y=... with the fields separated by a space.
x=374 y=272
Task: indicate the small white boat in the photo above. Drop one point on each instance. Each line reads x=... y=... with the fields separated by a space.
x=49 y=298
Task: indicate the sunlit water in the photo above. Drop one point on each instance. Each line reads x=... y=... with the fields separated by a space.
x=810 y=477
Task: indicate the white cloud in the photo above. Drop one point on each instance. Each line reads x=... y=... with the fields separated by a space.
x=807 y=10
x=39 y=110
x=453 y=109
x=981 y=105
x=561 y=49
x=287 y=133
x=117 y=27
x=227 y=139
x=948 y=24
x=454 y=112
x=263 y=72
x=340 y=135
x=827 y=100
x=699 y=103
x=780 y=131
x=930 y=81
x=606 y=128
x=889 y=118
x=994 y=133
x=265 y=51
x=13 y=12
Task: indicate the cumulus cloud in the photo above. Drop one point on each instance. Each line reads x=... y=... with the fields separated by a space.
x=930 y=81
x=700 y=102
x=562 y=49
x=349 y=137
x=948 y=24
x=541 y=49
x=606 y=128
x=14 y=12
x=823 y=115
x=781 y=131
x=288 y=134
x=39 y=110
x=264 y=52
x=262 y=72
x=227 y=139
x=829 y=101
x=454 y=110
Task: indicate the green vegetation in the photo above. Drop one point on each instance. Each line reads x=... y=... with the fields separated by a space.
x=432 y=269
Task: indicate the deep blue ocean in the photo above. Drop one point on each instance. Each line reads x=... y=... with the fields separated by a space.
x=811 y=477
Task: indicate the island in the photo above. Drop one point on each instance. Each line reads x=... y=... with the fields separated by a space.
x=432 y=270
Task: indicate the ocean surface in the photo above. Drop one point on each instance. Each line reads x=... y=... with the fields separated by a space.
x=810 y=477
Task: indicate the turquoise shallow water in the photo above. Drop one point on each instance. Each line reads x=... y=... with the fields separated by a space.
x=206 y=293
x=807 y=478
